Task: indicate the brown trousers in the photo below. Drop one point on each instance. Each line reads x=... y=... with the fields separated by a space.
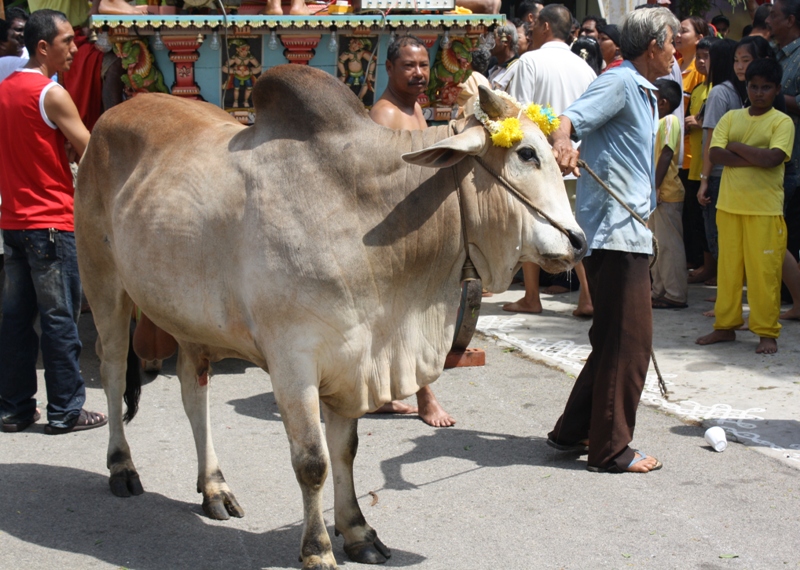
x=604 y=399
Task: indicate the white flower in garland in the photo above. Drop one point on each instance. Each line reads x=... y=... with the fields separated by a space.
x=507 y=132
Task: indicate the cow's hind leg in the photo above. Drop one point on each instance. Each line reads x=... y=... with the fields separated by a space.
x=218 y=499
x=118 y=372
x=361 y=542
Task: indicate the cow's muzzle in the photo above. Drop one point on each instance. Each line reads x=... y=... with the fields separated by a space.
x=578 y=242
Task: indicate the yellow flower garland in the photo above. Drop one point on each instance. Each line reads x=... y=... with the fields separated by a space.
x=507 y=132
x=545 y=118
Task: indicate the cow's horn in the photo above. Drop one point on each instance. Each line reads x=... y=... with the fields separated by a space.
x=491 y=104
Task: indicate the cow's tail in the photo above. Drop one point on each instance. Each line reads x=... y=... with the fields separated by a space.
x=133 y=384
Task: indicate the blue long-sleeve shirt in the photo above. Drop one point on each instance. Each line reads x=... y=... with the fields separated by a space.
x=617 y=121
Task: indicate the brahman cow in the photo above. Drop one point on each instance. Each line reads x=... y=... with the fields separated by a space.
x=320 y=246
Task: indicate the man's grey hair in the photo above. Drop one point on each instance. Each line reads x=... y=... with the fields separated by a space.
x=643 y=26
x=510 y=31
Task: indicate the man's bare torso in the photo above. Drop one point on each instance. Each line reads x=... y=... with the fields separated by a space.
x=387 y=113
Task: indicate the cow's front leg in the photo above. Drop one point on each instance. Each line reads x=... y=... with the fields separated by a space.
x=361 y=542
x=218 y=499
x=299 y=407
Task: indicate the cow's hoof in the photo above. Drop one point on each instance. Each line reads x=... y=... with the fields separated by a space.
x=125 y=483
x=317 y=563
x=367 y=552
x=222 y=506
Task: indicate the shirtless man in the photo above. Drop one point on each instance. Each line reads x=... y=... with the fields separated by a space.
x=408 y=70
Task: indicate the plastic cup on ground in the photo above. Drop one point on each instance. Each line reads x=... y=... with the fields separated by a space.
x=715 y=436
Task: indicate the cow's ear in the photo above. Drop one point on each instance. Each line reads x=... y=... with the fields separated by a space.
x=451 y=150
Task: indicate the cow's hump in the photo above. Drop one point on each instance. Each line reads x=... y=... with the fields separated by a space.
x=298 y=101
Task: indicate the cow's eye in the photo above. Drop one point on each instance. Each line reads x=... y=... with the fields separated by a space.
x=527 y=154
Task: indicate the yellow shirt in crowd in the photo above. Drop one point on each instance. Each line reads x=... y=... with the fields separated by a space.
x=669 y=135
x=691 y=79
x=698 y=99
x=752 y=190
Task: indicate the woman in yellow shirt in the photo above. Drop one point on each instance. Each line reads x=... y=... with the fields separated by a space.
x=694 y=233
x=693 y=29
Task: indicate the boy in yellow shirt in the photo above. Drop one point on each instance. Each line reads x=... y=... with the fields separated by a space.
x=752 y=144
x=670 y=287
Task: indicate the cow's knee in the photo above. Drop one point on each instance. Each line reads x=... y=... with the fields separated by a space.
x=311 y=467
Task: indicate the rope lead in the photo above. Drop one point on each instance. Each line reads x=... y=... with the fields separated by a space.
x=661 y=384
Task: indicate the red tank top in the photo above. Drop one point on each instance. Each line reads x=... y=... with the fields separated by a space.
x=35 y=179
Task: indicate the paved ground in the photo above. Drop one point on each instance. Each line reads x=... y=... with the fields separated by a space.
x=756 y=398
x=485 y=494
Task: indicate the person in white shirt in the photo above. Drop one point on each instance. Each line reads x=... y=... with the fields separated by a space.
x=551 y=75
x=13 y=54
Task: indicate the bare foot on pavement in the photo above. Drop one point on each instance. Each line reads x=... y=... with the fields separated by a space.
x=584 y=311
x=792 y=314
x=523 y=306
x=431 y=412
x=767 y=346
x=717 y=336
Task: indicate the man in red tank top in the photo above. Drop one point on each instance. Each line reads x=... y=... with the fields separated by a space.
x=36 y=217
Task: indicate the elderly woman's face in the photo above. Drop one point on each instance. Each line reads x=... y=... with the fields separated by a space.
x=522 y=40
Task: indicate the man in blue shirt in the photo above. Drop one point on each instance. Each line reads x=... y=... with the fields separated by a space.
x=616 y=120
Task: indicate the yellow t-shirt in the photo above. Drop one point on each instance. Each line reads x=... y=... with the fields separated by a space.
x=698 y=99
x=691 y=78
x=752 y=190
x=669 y=135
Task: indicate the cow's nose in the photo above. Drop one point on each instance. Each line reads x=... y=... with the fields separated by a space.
x=578 y=243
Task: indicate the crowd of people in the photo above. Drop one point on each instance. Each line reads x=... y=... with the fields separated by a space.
x=695 y=132
x=718 y=148
x=544 y=54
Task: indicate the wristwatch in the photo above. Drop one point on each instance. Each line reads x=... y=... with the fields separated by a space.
x=703 y=177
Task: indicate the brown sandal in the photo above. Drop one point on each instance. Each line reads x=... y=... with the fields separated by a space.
x=15 y=426
x=86 y=420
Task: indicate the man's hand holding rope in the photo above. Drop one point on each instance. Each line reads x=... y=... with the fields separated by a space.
x=566 y=155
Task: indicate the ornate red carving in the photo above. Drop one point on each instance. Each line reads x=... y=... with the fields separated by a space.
x=299 y=49
x=428 y=39
x=183 y=53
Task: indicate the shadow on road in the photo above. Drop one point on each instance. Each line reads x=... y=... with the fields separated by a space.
x=73 y=511
x=485 y=449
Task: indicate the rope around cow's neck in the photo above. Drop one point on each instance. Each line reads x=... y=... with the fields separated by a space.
x=524 y=199
x=582 y=164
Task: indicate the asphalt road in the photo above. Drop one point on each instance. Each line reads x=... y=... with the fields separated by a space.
x=485 y=494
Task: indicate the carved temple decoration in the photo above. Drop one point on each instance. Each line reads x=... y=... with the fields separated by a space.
x=183 y=53
x=299 y=49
